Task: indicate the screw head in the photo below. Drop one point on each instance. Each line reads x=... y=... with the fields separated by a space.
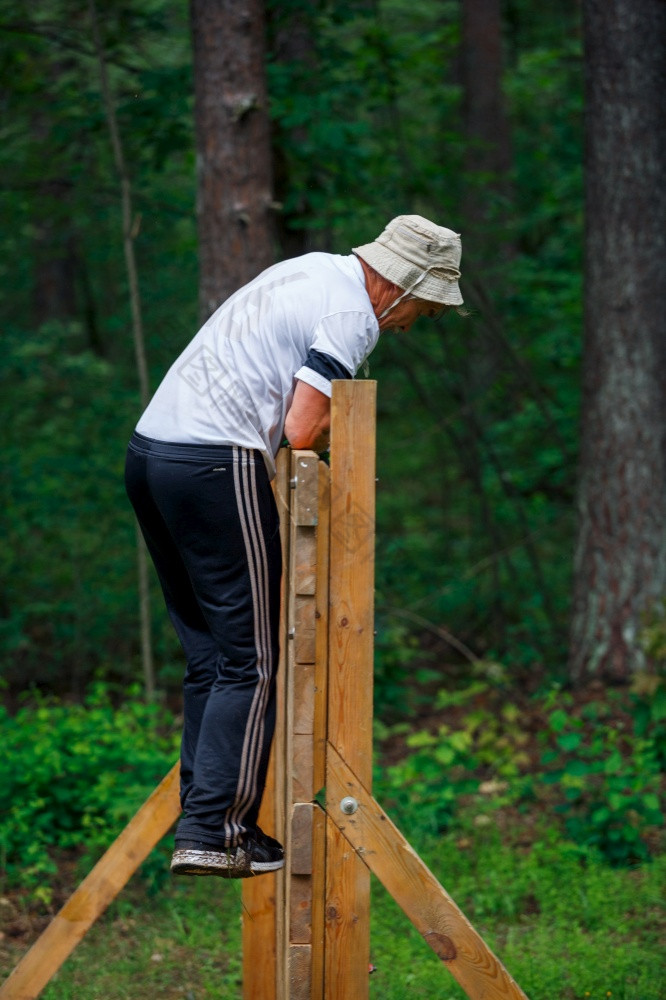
x=348 y=805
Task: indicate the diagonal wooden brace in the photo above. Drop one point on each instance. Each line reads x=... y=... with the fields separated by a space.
x=387 y=854
x=111 y=873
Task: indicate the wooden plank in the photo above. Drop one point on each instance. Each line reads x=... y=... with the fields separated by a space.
x=351 y=574
x=300 y=964
x=303 y=578
x=318 y=899
x=300 y=909
x=304 y=626
x=304 y=698
x=320 y=691
x=350 y=671
x=304 y=478
x=301 y=838
x=299 y=721
x=433 y=912
x=302 y=768
x=111 y=873
x=346 y=952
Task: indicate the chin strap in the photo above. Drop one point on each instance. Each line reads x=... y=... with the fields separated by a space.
x=451 y=274
x=407 y=291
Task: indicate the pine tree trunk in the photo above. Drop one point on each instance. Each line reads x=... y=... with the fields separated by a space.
x=488 y=156
x=620 y=560
x=485 y=119
x=291 y=46
x=234 y=174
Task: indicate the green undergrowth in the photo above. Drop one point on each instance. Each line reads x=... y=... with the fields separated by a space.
x=593 y=762
x=541 y=816
x=73 y=775
x=564 y=928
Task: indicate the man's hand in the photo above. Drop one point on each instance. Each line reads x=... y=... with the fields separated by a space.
x=308 y=421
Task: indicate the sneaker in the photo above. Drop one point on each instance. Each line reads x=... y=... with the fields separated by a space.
x=257 y=853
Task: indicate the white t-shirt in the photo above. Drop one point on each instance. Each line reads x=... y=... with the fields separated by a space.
x=308 y=318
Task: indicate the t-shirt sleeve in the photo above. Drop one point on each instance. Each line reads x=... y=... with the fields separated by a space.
x=340 y=344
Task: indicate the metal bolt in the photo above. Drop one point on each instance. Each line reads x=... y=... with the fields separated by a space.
x=293 y=483
x=349 y=805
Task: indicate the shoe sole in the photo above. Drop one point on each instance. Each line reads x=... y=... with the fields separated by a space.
x=189 y=862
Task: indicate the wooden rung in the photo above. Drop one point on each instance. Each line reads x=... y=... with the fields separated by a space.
x=304 y=698
x=301 y=838
x=302 y=771
x=304 y=480
x=300 y=971
x=304 y=629
x=303 y=569
x=300 y=909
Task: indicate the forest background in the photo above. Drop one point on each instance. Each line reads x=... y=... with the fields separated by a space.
x=470 y=113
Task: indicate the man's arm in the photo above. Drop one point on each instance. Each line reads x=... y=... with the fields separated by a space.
x=309 y=418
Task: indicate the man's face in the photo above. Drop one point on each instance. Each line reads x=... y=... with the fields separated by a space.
x=402 y=317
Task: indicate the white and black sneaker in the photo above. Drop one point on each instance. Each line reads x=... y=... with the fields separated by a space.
x=256 y=854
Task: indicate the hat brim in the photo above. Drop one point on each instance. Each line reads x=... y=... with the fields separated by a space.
x=392 y=267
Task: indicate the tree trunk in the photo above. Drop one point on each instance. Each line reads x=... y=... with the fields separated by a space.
x=485 y=120
x=488 y=156
x=620 y=560
x=234 y=173
x=55 y=261
x=291 y=45
x=129 y=234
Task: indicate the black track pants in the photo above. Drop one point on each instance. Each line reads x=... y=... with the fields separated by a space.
x=211 y=525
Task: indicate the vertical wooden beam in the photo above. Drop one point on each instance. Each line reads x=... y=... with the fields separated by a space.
x=320 y=732
x=299 y=728
x=262 y=896
x=259 y=897
x=350 y=672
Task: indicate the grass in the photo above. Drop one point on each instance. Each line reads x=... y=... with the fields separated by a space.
x=566 y=927
x=566 y=924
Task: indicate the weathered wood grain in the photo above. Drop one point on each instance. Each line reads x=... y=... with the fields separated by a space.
x=347 y=920
x=351 y=573
x=304 y=478
x=350 y=672
x=318 y=900
x=301 y=838
x=300 y=970
x=299 y=695
x=304 y=698
x=443 y=926
x=320 y=694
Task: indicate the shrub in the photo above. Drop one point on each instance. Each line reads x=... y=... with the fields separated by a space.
x=73 y=776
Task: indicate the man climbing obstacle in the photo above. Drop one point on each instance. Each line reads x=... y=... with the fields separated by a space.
x=198 y=473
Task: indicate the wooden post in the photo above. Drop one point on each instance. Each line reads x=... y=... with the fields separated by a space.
x=306 y=929
x=299 y=698
x=350 y=674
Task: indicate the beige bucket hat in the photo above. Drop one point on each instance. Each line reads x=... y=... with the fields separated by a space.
x=414 y=253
